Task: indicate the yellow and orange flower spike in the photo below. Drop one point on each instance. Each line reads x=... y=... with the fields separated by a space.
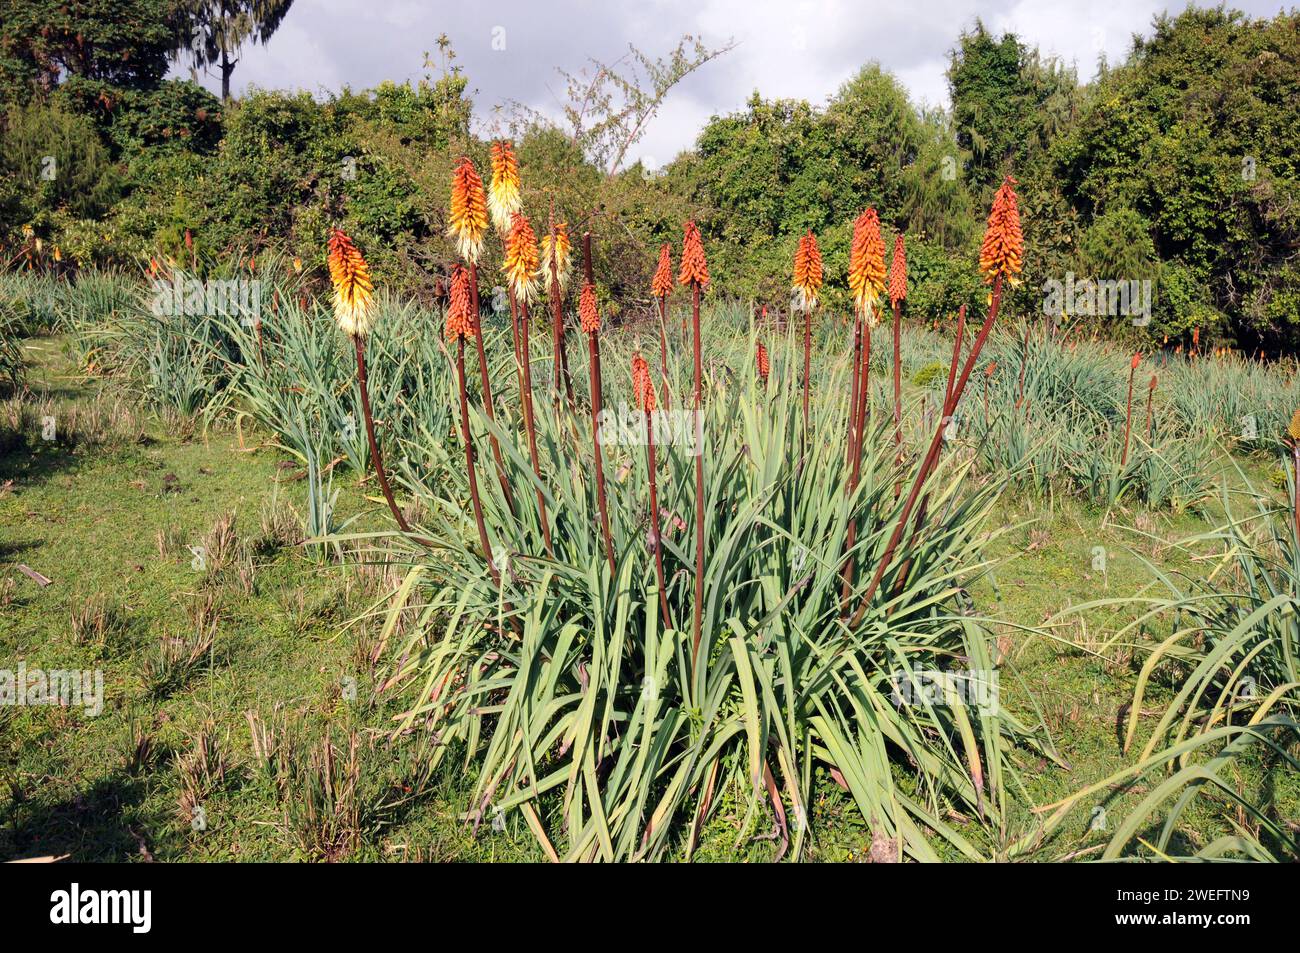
x=642 y=387
x=353 y=291
x=867 y=264
x=469 y=214
x=559 y=257
x=764 y=362
x=522 y=260
x=695 y=270
x=1293 y=428
x=898 y=272
x=1002 y=252
x=588 y=314
x=460 y=321
x=504 y=199
x=807 y=271
x=661 y=285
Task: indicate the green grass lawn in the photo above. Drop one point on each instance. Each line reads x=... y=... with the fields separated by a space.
x=109 y=510
x=111 y=525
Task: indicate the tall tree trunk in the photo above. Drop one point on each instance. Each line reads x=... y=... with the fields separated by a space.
x=226 y=70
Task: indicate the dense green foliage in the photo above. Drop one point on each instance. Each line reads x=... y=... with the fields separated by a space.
x=1176 y=166
x=123 y=43
x=1196 y=139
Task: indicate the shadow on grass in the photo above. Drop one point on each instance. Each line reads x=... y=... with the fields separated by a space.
x=28 y=464
x=94 y=825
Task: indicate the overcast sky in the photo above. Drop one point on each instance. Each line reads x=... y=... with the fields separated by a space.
x=785 y=48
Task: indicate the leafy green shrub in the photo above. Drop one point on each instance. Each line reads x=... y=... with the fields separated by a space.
x=58 y=162
x=931 y=374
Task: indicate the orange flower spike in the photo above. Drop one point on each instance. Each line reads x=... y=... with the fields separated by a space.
x=642 y=387
x=469 y=212
x=898 y=272
x=764 y=362
x=353 y=291
x=695 y=270
x=588 y=315
x=504 y=199
x=867 y=263
x=1002 y=251
x=558 y=257
x=807 y=271
x=1154 y=381
x=522 y=260
x=1137 y=359
x=661 y=285
x=460 y=322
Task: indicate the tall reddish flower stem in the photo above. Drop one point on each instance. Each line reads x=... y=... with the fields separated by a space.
x=864 y=392
x=956 y=353
x=593 y=353
x=807 y=364
x=593 y=347
x=530 y=424
x=514 y=330
x=856 y=372
x=1151 y=393
x=560 y=368
x=1128 y=413
x=654 y=516
x=485 y=384
x=932 y=454
x=467 y=439
x=370 y=435
x=923 y=509
x=697 y=622
x=861 y=359
x=558 y=381
x=898 y=382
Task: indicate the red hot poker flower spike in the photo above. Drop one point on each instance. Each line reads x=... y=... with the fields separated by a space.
x=898 y=272
x=460 y=323
x=588 y=314
x=661 y=286
x=1002 y=251
x=695 y=270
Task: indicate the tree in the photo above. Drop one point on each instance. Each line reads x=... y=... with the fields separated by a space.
x=1007 y=103
x=119 y=42
x=610 y=104
x=212 y=31
x=57 y=159
x=1198 y=132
